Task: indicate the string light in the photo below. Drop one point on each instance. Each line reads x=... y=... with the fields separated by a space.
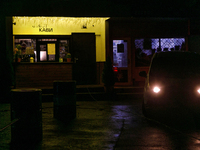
x=51 y=20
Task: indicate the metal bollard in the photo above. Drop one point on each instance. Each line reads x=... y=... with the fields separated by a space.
x=64 y=100
x=26 y=105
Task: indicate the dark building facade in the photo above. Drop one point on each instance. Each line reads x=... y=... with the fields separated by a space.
x=140 y=39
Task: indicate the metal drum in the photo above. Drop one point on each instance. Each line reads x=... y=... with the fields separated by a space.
x=64 y=100
x=26 y=107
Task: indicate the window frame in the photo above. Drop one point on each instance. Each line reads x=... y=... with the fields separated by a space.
x=153 y=50
x=58 y=37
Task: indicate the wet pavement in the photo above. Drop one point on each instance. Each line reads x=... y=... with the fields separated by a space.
x=109 y=125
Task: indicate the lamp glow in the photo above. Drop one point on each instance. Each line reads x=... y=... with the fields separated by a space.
x=198 y=91
x=156 y=89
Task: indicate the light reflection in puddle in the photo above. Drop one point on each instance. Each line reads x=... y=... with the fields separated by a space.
x=121 y=111
x=153 y=135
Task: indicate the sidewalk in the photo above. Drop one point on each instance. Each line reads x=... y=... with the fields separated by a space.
x=97 y=126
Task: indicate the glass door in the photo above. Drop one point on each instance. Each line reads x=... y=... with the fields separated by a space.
x=121 y=61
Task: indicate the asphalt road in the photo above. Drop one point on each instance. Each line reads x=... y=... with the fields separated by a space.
x=107 y=125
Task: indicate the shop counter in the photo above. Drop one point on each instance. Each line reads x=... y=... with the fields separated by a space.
x=41 y=74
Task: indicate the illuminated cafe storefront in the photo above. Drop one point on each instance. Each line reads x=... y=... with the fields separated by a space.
x=49 y=41
x=130 y=42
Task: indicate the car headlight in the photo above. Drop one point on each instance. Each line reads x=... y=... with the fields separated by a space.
x=157 y=89
x=198 y=90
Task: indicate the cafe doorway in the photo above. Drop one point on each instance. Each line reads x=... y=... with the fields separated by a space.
x=84 y=52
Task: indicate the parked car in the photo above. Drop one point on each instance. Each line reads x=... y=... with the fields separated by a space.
x=173 y=81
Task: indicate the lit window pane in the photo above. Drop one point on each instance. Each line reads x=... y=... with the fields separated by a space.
x=145 y=48
x=120 y=51
x=43 y=56
x=170 y=44
x=35 y=56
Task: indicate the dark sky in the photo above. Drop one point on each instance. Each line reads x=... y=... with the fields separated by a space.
x=130 y=8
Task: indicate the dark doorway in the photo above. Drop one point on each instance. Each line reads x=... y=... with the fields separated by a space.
x=84 y=52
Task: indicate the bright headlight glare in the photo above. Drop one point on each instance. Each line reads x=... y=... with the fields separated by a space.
x=198 y=90
x=157 y=89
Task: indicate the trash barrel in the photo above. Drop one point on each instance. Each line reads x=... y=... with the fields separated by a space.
x=26 y=107
x=64 y=100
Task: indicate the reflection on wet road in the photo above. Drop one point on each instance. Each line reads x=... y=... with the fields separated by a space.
x=107 y=125
x=163 y=131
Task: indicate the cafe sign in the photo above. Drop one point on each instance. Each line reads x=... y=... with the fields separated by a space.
x=45 y=29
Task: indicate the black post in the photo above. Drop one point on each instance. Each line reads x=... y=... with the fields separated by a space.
x=26 y=106
x=65 y=100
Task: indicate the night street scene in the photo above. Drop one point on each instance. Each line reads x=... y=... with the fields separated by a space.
x=100 y=75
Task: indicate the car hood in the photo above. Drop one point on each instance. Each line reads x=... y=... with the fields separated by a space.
x=189 y=82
